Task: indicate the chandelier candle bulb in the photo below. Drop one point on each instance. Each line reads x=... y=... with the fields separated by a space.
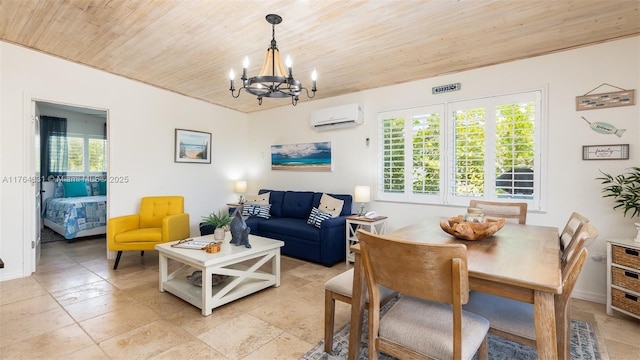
x=231 y=76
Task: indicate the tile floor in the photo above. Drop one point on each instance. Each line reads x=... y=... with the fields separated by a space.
x=76 y=307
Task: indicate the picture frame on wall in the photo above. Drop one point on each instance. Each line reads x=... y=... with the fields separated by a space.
x=302 y=157
x=605 y=152
x=192 y=147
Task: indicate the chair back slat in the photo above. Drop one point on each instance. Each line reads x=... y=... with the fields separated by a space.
x=410 y=267
x=584 y=232
x=570 y=228
x=511 y=212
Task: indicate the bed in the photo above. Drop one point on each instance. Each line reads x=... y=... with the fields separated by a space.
x=75 y=216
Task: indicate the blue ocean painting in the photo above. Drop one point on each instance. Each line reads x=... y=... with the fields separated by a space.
x=307 y=157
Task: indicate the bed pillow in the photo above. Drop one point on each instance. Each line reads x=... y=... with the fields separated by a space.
x=317 y=217
x=102 y=188
x=331 y=205
x=74 y=188
x=58 y=189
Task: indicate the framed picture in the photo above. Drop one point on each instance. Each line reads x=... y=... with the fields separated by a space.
x=192 y=147
x=605 y=152
x=605 y=100
x=302 y=157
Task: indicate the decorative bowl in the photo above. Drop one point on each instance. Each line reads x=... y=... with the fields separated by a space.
x=457 y=227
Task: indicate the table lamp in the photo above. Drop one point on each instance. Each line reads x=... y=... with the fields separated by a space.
x=362 y=194
x=240 y=187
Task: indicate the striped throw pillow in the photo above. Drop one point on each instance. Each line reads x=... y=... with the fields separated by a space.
x=256 y=210
x=317 y=217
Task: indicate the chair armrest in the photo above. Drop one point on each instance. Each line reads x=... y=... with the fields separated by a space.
x=121 y=224
x=175 y=227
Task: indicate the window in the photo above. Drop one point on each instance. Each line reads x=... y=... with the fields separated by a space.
x=486 y=148
x=85 y=154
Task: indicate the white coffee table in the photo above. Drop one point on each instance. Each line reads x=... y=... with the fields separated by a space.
x=240 y=263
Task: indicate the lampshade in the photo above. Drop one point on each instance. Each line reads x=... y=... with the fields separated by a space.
x=240 y=187
x=362 y=193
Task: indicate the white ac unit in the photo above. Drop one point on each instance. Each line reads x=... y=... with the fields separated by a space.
x=337 y=117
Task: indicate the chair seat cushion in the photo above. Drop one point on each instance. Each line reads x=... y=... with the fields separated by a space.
x=343 y=284
x=427 y=327
x=507 y=315
x=140 y=235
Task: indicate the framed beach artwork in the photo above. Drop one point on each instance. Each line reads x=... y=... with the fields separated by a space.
x=302 y=157
x=192 y=147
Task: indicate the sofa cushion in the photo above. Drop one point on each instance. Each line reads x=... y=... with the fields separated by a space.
x=317 y=217
x=297 y=204
x=330 y=205
x=288 y=228
x=275 y=199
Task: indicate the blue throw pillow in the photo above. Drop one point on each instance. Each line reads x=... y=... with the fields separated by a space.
x=102 y=188
x=317 y=217
x=256 y=210
x=74 y=188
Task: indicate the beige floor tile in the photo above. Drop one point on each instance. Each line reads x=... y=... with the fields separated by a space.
x=92 y=352
x=143 y=277
x=100 y=305
x=33 y=325
x=240 y=336
x=285 y=346
x=66 y=278
x=29 y=307
x=20 y=289
x=120 y=321
x=621 y=351
x=55 y=344
x=145 y=341
x=193 y=350
x=84 y=292
x=306 y=322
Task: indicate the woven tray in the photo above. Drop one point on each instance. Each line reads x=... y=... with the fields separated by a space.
x=457 y=227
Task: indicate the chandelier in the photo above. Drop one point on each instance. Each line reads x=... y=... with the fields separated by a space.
x=273 y=80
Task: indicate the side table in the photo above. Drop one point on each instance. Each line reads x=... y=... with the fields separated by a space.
x=377 y=225
x=623 y=277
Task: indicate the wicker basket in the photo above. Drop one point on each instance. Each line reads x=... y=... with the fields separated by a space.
x=626 y=279
x=626 y=256
x=625 y=301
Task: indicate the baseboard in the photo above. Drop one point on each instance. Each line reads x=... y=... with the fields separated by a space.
x=589 y=296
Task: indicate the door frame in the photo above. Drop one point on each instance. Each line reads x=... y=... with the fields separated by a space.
x=29 y=106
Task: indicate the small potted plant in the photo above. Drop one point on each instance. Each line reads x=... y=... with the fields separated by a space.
x=219 y=221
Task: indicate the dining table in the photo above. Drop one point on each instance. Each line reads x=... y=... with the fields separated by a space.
x=520 y=262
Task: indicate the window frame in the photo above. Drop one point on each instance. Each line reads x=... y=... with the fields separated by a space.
x=445 y=196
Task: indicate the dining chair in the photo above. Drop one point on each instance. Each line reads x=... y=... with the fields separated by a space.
x=340 y=287
x=511 y=212
x=570 y=228
x=426 y=321
x=514 y=320
x=585 y=232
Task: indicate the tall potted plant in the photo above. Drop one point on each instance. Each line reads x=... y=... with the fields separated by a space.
x=220 y=221
x=624 y=189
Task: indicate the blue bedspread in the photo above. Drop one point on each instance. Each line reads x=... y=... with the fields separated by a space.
x=76 y=213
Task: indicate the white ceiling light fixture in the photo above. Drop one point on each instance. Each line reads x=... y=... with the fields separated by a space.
x=274 y=80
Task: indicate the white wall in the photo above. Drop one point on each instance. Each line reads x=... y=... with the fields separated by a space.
x=570 y=180
x=141 y=125
x=142 y=120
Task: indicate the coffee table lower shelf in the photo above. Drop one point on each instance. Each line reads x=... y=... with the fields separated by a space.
x=248 y=270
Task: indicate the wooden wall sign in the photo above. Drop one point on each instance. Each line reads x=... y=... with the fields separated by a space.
x=590 y=101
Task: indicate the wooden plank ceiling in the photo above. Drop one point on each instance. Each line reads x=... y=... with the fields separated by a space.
x=189 y=46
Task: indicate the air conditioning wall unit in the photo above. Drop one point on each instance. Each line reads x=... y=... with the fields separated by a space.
x=337 y=117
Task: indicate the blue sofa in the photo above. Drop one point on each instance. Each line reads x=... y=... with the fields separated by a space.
x=288 y=222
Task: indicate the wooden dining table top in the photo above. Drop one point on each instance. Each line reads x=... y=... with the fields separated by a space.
x=526 y=256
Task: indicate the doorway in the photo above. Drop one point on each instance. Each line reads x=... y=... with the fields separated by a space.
x=86 y=135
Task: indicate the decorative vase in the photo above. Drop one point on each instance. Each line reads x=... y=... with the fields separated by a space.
x=218 y=234
x=637 y=239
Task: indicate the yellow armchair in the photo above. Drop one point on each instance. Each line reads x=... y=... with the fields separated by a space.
x=161 y=219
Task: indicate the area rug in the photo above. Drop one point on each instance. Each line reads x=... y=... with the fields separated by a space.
x=584 y=345
x=47 y=235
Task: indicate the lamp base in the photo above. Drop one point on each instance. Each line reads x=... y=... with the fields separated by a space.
x=361 y=213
